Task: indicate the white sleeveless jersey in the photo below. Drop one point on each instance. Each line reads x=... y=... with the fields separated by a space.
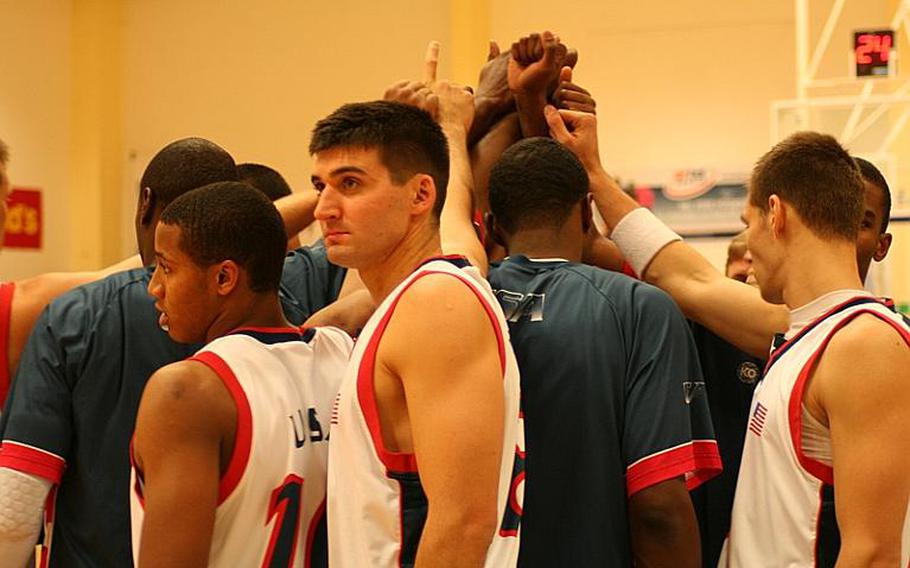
x=783 y=513
x=377 y=506
x=271 y=499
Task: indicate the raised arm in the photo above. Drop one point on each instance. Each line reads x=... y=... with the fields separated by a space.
x=454 y=390
x=452 y=106
x=534 y=69
x=733 y=310
x=492 y=98
x=184 y=413
x=297 y=213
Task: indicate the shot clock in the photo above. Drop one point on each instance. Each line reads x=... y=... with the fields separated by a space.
x=873 y=53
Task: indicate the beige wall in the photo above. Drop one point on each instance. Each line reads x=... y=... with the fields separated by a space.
x=255 y=77
x=35 y=122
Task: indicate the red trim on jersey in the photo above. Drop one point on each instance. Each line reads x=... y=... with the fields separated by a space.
x=6 y=304
x=627 y=269
x=698 y=460
x=286 y=329
x=400 y=461
x=29 y=459
x=243 y=439
x=819 y=470
x=311 y=532
x=784 y=347
x=50 y=507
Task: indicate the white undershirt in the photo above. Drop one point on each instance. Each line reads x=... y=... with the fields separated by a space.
x=816 y=437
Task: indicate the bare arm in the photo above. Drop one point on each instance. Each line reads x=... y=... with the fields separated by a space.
x=866 y=409
x=349 y=313
x=180 y=430
x=492 y=98
x=487 y=152
x=452 y=106
x=456 y=387
x=704 y=294
x=534 y=67
x=663 y=526
x=296 y=211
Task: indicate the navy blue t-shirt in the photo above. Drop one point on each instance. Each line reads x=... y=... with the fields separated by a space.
x=730 y=379
x=72 y=408
x=613 y=403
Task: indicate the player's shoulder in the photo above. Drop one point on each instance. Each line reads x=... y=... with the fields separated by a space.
x=95 y=296
x=624 y=293
x=329 y=338
x=868 y=335
x=187 y=380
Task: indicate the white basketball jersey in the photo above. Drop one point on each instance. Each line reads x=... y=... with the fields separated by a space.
x=271 y=499
x=377 y=506
x=779 y=518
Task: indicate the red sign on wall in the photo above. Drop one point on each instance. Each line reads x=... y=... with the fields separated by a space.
x=23 y=219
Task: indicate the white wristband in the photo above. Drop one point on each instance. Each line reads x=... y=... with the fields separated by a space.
x=640 y=236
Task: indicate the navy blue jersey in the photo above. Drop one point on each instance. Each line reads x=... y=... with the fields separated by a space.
x=613 y=403
x=730 y=378
x=72 y=409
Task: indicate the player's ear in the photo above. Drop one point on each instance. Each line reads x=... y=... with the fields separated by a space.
x=227 y=276
x=587 y=214
x=424 y=194
x=884 y=245
x=145 y=209
x=777 y=215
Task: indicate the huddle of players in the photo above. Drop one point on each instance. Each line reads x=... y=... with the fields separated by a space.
x=427 y=462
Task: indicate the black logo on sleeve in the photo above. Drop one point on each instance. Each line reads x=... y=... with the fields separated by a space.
x=691 y=388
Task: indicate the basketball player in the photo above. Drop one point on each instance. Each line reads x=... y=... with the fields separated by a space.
x=22 y=301
x=273 y=185
x=231 y=445
x=427 y=425
x=615 y=411
x=67 y=424
x=815 y=416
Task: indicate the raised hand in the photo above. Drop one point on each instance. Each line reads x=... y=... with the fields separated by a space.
x=535 y=63
x=414 y=93
x=450 y=105
x=570 y=96
x=577 y=131
x=492 y=98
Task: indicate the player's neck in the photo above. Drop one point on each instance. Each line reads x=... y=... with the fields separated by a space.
x=814 y=271
x=546 y=243
x=383 y=276
x=254 y=310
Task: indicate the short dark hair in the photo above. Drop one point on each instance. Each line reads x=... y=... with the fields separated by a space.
x=408 y=139
x=265 y=179
x=813 y=173
x=184 y=165
x=231 y=221
x=874 y=176
x=4 y=153
x=536 y=181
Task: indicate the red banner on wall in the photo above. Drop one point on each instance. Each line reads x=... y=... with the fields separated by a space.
x=23 y=219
